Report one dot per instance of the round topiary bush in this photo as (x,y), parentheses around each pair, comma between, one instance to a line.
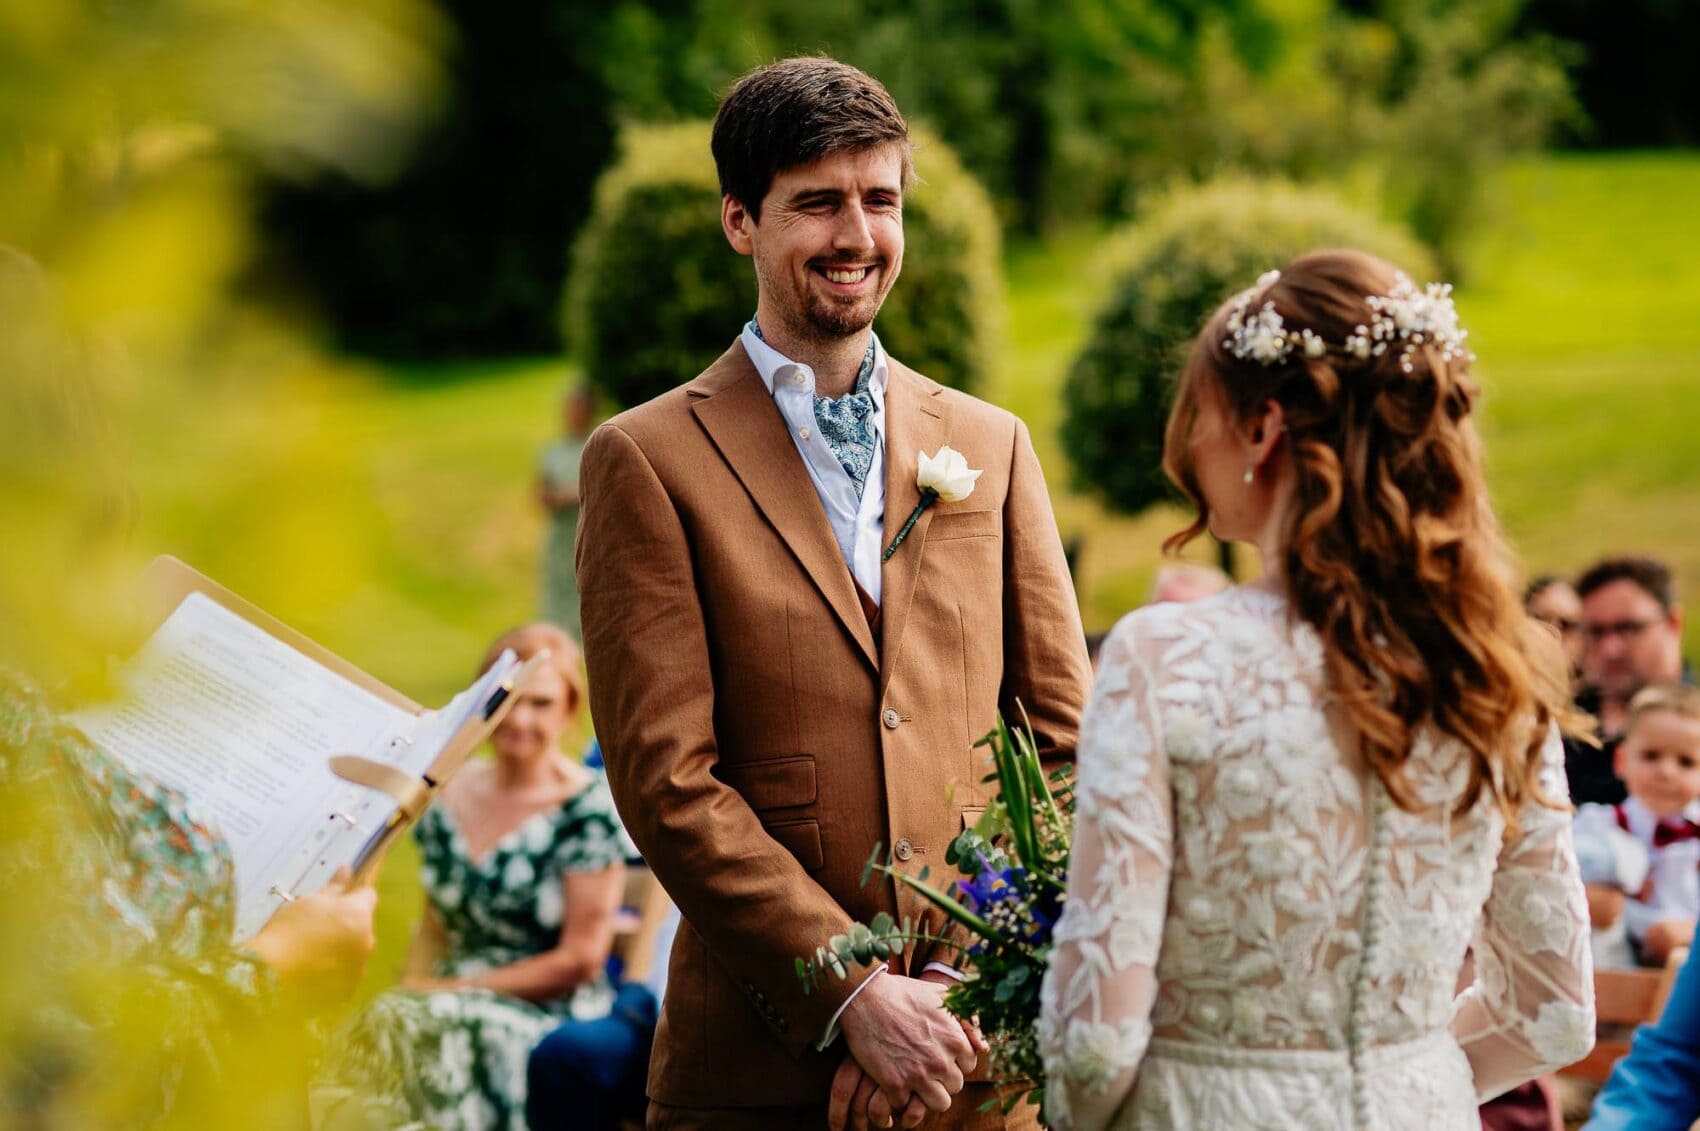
(655,294)
(1169,271)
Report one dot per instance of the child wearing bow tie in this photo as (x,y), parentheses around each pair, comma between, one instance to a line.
(1641,858)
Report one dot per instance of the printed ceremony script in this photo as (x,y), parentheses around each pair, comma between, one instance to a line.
(300,767)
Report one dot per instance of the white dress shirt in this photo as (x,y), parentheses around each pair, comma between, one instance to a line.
(857,523)
(1673,868)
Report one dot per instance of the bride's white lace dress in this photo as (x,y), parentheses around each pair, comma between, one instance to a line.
(1257,937)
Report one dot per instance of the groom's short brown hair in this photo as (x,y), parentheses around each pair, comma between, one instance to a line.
(797,111)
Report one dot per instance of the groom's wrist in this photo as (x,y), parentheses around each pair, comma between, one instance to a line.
(831,1032)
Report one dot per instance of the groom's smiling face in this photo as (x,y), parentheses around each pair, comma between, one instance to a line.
(829,243)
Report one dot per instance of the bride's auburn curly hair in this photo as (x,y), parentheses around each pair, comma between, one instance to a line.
(1391,551)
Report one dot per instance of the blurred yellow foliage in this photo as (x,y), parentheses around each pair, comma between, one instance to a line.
(130,139)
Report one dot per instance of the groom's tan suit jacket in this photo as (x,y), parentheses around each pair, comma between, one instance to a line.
(763,732)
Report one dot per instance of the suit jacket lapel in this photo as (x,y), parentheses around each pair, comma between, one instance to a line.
(738,412)
(916,419)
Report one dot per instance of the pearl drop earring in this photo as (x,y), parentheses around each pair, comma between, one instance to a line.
(1249,476)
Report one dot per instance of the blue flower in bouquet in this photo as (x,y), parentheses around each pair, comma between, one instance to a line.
(1046,910)
(1009,900)
(987,887)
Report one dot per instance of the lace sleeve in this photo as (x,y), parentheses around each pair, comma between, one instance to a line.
(1096,1001)
(1531,1008)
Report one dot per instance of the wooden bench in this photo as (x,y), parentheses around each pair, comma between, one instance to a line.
(643,912)
(1624,998)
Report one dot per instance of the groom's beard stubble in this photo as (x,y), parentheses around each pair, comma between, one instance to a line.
(825,319)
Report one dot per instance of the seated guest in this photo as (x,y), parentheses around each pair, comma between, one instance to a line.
(592,1073)
(1554,602)
(1657,1086)
(1631,637)
(523,867)
(1645,850)
(133,1007)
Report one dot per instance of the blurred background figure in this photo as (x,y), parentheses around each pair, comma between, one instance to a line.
(523,869)
(1183,582)
(1631,637)
(557,490)
(1641,856)
(1553,601)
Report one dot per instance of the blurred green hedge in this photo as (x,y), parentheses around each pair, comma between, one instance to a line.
(1192,249)
(655,293)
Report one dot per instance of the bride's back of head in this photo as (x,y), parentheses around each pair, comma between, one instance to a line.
(1389,547)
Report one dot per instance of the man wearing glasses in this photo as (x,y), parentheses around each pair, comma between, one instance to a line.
(1631,637)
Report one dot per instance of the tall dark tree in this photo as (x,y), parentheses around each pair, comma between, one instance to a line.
(465,251)
(1634,71)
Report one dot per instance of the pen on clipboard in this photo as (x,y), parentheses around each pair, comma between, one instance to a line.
(462,735)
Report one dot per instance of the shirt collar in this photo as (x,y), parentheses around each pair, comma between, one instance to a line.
(772,364)
(1642,822)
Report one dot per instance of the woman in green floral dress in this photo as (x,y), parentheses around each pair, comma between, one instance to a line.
(523,866)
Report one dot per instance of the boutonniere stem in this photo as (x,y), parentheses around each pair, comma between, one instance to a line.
(943,475)
(928,498)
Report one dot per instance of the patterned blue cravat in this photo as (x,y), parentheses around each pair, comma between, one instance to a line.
(847,422)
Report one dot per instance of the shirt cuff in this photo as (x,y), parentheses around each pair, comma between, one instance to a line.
(950,972)
(831,1033)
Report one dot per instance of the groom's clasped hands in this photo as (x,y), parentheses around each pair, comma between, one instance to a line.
(907,1054)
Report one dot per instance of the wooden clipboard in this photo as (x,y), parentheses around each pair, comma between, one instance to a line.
(168,581)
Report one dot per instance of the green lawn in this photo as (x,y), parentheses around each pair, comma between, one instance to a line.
(1583,308)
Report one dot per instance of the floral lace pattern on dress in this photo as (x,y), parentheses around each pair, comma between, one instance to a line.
(1255,936)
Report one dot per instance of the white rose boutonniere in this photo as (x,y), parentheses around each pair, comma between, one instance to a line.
(943,475)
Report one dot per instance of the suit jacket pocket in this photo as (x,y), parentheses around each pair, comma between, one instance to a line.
(952,524)
(772,783)
(801,839)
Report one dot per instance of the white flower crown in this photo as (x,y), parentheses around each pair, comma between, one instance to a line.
(1405,315)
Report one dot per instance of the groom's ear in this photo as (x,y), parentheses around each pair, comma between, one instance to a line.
(736,222)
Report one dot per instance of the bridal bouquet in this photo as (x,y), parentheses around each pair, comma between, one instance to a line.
(1013,866)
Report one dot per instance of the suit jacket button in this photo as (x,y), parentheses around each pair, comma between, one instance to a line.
(891,718)
(903,849)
